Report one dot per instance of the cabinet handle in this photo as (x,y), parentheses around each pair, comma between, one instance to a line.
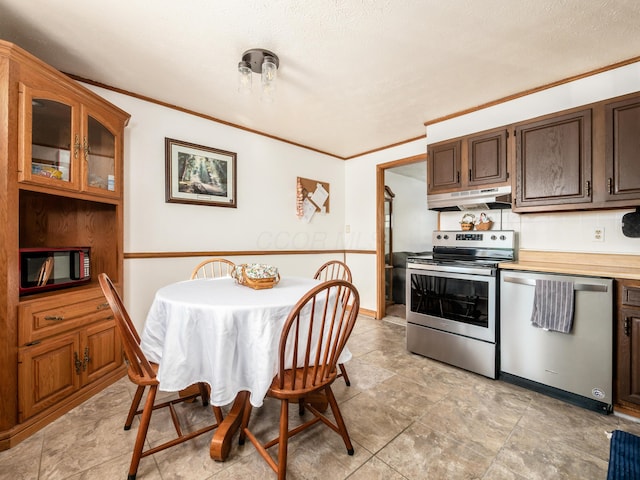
(77,363)
(588,186)
(610,185)
(458,177)
(86,149)
(469,174)
(76,146)
(102,306)
(55,318)
(86,359)
(627,326)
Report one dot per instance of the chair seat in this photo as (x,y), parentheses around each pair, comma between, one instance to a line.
(303,387)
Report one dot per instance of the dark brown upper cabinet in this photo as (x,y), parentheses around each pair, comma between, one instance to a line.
(553,160)
(468,162)
(443,166)
(487,155)
(622,150)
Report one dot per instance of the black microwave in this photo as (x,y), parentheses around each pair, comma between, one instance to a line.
(43,269)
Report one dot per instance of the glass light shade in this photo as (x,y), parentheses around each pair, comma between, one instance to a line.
(269,76)
(244,78)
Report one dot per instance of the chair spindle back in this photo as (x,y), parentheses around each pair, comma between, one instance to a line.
(333,270)
(315,334)
(213,268)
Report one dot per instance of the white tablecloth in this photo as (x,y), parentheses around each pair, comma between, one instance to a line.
(221,333)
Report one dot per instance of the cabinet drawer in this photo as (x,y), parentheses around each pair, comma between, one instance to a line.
(42,318)
(631,296)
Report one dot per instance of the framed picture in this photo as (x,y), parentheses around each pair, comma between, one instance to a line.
(199,175)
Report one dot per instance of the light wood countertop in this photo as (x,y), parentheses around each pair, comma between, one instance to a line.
(594,264)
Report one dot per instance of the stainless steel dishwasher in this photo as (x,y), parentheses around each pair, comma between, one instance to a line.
(575,366)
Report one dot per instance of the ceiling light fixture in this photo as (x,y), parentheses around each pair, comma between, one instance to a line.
(258,60)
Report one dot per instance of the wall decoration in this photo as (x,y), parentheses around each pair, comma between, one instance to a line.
(199,175)
(311,196)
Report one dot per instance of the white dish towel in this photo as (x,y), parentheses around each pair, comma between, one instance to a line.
(553,305)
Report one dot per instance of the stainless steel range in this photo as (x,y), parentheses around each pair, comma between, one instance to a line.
(452,298)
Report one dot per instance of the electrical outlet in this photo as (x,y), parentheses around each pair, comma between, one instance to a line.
(347,228)
(598,234)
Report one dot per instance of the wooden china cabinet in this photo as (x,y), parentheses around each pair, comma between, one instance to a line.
(61,174)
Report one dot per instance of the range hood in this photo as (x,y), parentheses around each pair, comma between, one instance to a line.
(481,199)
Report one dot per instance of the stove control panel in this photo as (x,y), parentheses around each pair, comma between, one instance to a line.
(469,236)
(490,239)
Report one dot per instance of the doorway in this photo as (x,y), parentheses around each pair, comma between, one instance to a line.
(409,206)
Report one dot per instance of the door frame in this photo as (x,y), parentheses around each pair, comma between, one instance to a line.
(380,169)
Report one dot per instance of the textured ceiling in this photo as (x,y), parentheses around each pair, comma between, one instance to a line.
(354,75)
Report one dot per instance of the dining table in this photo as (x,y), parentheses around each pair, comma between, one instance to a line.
(224,334)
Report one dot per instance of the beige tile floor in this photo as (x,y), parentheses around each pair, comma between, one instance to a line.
(409,418)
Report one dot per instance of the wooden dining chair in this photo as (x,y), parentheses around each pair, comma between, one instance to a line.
(213,268)
(313,337)
(335,270)
(143,373)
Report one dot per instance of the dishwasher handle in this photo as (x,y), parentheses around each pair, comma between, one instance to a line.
(582,287)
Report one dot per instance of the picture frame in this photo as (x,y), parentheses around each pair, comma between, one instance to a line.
(199,175)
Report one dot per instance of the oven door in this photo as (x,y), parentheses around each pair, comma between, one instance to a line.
(459,303)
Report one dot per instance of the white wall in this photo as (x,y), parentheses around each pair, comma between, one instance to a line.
(360,213)
(265,217)
(412,223)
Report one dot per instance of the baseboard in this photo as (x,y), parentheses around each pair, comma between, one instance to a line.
(553,392)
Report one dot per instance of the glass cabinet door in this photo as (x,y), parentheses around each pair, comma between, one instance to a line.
(100,156)
(50,145)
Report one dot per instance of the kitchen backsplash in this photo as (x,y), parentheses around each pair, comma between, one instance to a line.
(590,231)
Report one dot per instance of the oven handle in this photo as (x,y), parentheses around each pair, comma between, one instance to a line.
(582,287)
(477,271)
